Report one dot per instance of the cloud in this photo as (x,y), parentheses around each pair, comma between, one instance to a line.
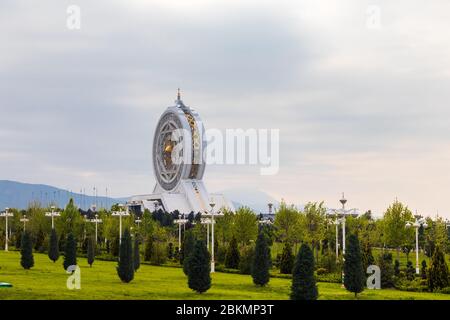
(359,110)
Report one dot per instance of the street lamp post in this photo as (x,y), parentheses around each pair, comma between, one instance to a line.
(96,221)
(417,224)
(52,214)
(180,222)
(6,214)
(340,218)
(213,263)
(121,213)
(24,220)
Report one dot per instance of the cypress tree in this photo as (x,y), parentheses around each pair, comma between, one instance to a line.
(125,268)
(354,277)
(438,272)
(367,256)
(148,250)
(199,276)
(303,280)
(188,247)
(397,268)
(90,251)
(53,247)
(410,271)
(170,253)
(26,251)
(70,253)
(287,259)
(232,256)
(137,255)
(261,261)
(387,270)
(424,271)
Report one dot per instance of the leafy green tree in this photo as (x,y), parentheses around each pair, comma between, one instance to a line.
(70,253)
(136,255)
(188,247)
(395,233)
(90,251)
(245,227)
(438,275)
(354,275)
(199,277)
(287,224)
(224,226)
(261,261)
(232,256)
(26,251)
(313,224)
(70,221)
(53,251)
(303,281)
(170,252)
(125,268)
(287,259)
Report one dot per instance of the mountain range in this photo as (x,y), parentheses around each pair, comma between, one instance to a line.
(19,195)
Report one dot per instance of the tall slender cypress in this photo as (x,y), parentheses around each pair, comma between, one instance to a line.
(70,253)
(26,251)
(90,251)
(287,259)
(53,248)
(232,256)
(354,277)
(188,247)
(261,261)
(136,255)
(303,281)
(199,275)
(125,268)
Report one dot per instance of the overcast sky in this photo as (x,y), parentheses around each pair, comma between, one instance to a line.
(362,103)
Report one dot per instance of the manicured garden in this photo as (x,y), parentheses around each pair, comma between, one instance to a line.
(47,280)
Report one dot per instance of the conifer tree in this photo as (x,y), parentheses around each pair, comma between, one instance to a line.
(438,275)
(303,280)
(354,276)
(125,268)
(137,255)
(424,271)
(199,277)
(90,251)
(148,250)
(188,247)
(387,270)
(70,252)
(53,247)
(26,251)
(397,268)
(287,259)
(410,271)
(232,256)
(261,261)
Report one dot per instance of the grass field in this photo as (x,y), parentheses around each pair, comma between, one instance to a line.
(47,280)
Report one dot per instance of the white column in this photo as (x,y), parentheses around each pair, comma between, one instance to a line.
(120,228)
(417,250)
(212,242)
(6,239)
(337,240)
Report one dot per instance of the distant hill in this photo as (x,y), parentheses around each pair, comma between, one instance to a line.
(19,195)
(255,199)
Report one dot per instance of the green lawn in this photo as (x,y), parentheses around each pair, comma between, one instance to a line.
(47,280)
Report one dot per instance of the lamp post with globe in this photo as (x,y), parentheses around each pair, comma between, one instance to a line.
(420,222)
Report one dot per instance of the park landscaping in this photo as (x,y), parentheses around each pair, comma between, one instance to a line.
(47,280)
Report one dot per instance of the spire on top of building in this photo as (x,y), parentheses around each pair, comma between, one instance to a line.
(179,95)
(179,102)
